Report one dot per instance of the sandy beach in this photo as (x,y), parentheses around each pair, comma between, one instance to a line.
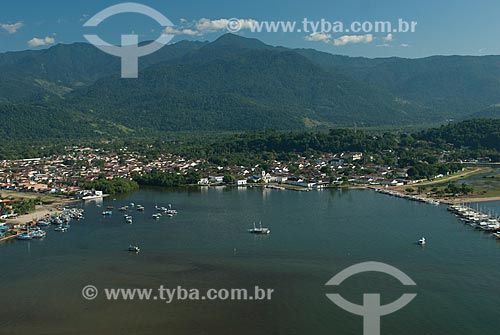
(40,210)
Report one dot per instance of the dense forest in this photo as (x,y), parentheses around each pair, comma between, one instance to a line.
(157,178)
(111,186)
(456,141)
(234,84)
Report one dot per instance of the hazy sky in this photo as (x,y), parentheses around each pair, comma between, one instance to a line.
(444,26)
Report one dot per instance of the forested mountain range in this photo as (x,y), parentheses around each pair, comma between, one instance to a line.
(235,83)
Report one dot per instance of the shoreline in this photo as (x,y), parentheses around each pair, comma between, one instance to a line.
(468,200)
(40,210)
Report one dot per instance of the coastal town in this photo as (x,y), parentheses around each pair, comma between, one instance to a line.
(64,178)
(64,174)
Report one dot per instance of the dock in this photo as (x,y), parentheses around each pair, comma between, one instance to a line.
(477,219)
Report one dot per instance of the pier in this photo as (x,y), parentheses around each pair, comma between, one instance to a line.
(408,197)
(477,218)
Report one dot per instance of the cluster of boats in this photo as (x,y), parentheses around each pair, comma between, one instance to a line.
(162,211)
(60,221)
(408,197)
(477,219)
(109,210)
(37,233)
(168,211)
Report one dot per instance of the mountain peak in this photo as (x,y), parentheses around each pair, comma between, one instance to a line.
(236,41)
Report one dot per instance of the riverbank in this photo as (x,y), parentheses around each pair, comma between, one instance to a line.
(50,204)
(461,200)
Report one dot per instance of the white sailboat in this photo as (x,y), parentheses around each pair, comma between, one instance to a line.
(259,230)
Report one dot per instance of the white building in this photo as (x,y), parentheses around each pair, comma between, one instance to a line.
(240,182)
(216,179)
(204,181)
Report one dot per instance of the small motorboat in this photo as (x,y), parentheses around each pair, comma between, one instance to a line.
(134,248)
(107,213)
(156,216)
(422,241)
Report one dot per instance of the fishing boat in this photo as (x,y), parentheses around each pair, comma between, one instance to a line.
(259,230)
(61,229)
(422,241)
(128,219)
(24,237)
(134,248)
(93,195)
(43,224)
(168,210)
(124,208)
(140,208)
(161,209)
(156,216)
(39,234)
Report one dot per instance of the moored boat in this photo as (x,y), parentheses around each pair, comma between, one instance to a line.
(61,229)
(259,230)
(134,248)
(39,234)
(24,236)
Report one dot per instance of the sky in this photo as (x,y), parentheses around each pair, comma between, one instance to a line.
(443,27)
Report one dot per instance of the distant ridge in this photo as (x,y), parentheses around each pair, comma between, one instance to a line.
(237,83)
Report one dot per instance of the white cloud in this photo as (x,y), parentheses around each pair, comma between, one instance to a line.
(12,28)
(404,45)
(384,45)
(181,31)
(389,38)
(206,26)
(37,42)
(318,37)
(353,39)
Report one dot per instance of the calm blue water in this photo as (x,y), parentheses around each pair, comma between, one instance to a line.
(314,236)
